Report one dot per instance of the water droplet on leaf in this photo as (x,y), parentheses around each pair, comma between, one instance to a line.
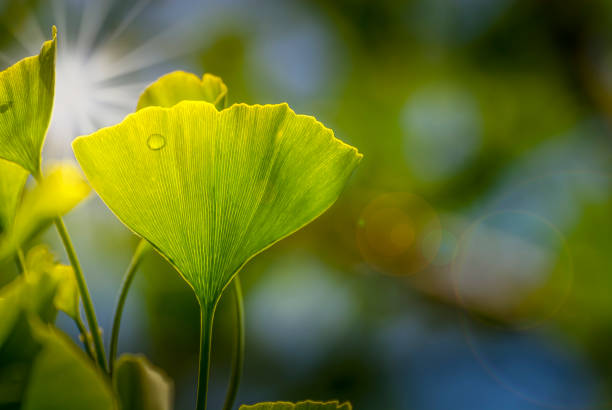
(156,142)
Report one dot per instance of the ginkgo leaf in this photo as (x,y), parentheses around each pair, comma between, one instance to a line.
(303,405)
(140,385)
(62,377)
(210,189)
(12,180)
(56,194)
(26,102)
(179,86)
(40,261)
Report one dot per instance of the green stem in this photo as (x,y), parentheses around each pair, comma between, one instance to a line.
(83,331)
(128,277)
(232,391)
(20,261)
(87,303)
(207,314)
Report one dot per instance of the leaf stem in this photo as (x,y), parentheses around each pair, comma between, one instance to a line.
(20,260)
(128,277)
(207,314)
(238,363)
(87,302)
(81,326)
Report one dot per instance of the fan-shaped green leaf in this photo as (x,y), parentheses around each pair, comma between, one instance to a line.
(56,194)
(12,180)
(63,378)
(26,102)
(211,189)
(140,385)
(303,405)
(179,86)
(40,261)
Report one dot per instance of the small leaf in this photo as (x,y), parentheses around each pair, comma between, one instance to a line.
(26,102)
(179,86)
(32,295)
(210,189)
(60,191)
(303,405)
(140,385)
(12,180)
(63,378)
(40,261)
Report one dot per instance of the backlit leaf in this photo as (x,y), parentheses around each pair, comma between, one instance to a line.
(26,102)
(303,405)
(179,86)
(56,194)
(12,180)
(40,261)
(211,189)
(140,385)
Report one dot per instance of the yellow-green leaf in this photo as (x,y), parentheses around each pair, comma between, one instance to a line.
(26,102)
(210,189)
(303,405)
(140,385)
(40,261)
(63,378)
(12,180)
(179,86)
(56,194)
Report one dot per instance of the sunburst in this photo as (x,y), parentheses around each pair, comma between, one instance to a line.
(98,78)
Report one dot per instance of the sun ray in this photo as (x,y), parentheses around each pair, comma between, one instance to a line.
(170,43)
(58,8)
(5,59)
(34,32)
(92,20)
(129,18)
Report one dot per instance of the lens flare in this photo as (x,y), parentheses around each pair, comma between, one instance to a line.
(398,233)
(514,266)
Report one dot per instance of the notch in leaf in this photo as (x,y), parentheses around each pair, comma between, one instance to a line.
(178,86)
(210,189)
(26,102)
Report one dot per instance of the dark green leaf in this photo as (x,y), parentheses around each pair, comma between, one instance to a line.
(140,385)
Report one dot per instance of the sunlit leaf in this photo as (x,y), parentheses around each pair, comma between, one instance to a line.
(179,86)
(40,261)
(58,192)
(12,180)
(211,189)
(63,378)
(303,405)
(26,102)
(140,385)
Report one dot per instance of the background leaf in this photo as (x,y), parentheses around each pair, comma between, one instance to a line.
(303,405)
(63,378)
(211,189)
(56,194)
(12,180)
(24,297)
(26,103)
(140,385)
(40,261)
(179,86)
